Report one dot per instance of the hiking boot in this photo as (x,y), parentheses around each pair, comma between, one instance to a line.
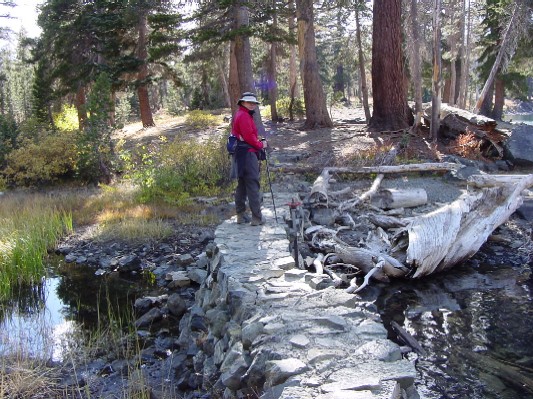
(242,218)
(257,222)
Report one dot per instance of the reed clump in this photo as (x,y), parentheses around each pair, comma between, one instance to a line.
(29,227)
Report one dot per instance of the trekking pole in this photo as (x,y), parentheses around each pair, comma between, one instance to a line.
(270,185)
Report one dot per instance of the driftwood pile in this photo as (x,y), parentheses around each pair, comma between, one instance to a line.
(398,245)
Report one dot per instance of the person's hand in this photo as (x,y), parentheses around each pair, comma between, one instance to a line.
(265,144)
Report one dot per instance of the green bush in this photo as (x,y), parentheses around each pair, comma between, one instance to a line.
(200,119)
(282,106)
(179,170)
(67,119)
(9,132)
(47,158)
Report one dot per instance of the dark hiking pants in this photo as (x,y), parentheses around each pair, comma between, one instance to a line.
(248,185)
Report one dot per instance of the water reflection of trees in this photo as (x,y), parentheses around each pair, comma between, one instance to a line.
(89,298)
(468,323)
(25,300)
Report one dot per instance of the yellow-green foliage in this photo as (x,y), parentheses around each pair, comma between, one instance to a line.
(28,228)
(179,170)
(193,167)
(200,119)
(282,107)
(67,119)
(46,158)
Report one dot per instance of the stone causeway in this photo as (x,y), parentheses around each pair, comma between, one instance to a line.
(274,332)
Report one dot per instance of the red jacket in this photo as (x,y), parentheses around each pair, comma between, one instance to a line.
(244,129)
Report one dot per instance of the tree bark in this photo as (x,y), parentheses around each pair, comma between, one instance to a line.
(362,73)
(142,77)
(391,111)
(294,92)
(316,111)
(437,73)
(464,56)
(272,73)
(243,60)
(499,99)
(80,106)
(415,62)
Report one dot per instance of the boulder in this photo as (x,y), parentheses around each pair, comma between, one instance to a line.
(518,148)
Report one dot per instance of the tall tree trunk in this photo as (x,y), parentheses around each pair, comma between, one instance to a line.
(243,60)
(499,99)
(505,48)
(453,81)
(272,72)
(391,111)
(486,106)
(221,68)
(294,91)
(142,89)
(339,84)
(234,86)
(415,62)
(316,111)
(437,73)
(272,83)
(463,55)
(364,86)
(80,105)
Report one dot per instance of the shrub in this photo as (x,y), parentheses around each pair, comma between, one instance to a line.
(67,119)
(174,172)
(8,136)
(95,148)
(200,119)
(282,106)
(49,157)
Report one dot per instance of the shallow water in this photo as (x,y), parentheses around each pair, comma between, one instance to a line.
(475,323)
(520,118)
(44,321)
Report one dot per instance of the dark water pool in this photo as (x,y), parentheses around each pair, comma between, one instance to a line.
(43,321)
(476,324)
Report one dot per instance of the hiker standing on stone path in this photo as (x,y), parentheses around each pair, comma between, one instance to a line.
(246,161)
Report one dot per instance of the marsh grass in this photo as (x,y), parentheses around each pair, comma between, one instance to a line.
(27,230)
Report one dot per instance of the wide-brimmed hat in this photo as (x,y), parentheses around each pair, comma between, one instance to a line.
(248,97)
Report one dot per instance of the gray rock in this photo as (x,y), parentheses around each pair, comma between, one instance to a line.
(129,263)
(231,378)
(197,275)
(278,371)
(176,305)
(300,341)
(250,332)
(150,317)
(380,349)
(217,321)
(184,260)
(518,148)
(235,353)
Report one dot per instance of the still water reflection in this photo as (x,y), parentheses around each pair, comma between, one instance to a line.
(476,325)
(45,320)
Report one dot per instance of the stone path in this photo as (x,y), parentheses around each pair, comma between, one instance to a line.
(272,332)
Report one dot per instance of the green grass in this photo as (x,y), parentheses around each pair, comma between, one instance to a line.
(27,231)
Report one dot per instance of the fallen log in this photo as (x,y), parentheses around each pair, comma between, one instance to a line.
(453,233)
(391,198)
